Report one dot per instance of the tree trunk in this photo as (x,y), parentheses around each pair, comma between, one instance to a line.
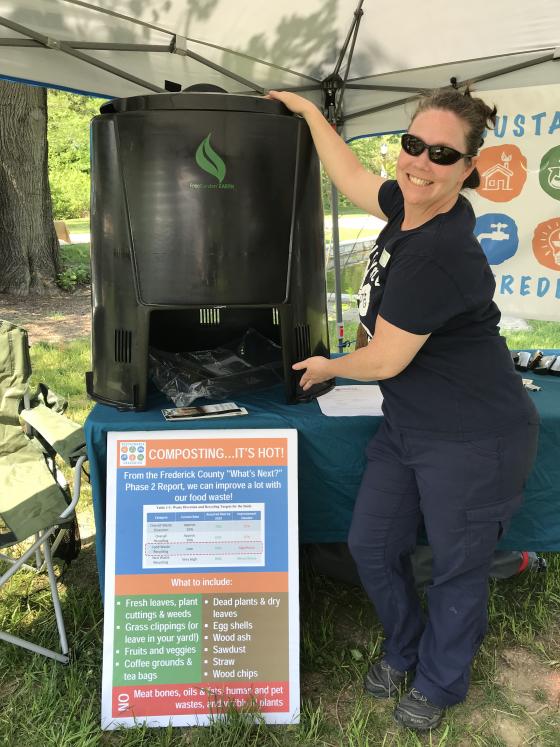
(29,258)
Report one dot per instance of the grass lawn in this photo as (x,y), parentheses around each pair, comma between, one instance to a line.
(82,225)
(77,225)
(75,256)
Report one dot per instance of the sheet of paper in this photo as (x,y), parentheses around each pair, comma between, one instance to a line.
(352,400)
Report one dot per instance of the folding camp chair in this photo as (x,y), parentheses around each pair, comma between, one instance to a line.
(35,501)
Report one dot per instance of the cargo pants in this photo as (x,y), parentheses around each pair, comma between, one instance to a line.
(466,493)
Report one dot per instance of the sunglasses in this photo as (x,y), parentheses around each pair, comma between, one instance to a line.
(440,154)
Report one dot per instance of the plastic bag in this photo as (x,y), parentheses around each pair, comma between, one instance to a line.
(252,362)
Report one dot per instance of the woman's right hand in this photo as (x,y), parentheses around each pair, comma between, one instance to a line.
(296,104)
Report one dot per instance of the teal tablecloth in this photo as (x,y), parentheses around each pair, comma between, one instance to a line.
(331,461)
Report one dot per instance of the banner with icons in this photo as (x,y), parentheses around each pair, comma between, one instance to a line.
(518,202)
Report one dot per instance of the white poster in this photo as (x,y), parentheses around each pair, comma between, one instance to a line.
(518,202)
(201,585)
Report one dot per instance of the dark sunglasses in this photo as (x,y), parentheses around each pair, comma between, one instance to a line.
(440,154)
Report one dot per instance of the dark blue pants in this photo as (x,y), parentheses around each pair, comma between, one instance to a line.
(466,493)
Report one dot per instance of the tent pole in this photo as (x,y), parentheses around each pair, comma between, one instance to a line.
(333,111)
(357,18)
(336,263)
(358,13)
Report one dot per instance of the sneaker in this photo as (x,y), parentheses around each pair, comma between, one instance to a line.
(415,711)
(382,681)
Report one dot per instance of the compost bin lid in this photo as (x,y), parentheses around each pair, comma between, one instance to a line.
(203,101)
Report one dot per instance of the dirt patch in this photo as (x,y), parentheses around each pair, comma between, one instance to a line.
(528,680)
(56,316)
(511,730)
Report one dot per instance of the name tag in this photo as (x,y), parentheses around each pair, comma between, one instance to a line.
(384,258)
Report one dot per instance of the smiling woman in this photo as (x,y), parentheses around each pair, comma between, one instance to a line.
(457,441)
(429,181)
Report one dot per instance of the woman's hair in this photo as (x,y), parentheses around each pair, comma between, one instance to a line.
(474,112)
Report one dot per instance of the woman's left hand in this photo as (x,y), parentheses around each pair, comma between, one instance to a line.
(317,370)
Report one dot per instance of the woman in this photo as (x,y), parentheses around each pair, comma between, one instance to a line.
(459,433)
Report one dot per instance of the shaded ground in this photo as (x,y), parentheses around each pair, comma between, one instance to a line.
(56,316)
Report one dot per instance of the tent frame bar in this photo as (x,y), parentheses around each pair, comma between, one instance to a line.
(131,19)
(112,46)
(61,46)
(551,57)
(381,107)
(366,87)
(310,87)
(358,13)
(510,69)
(224,71)
(178,45)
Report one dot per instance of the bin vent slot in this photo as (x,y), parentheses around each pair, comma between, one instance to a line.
(209,316)
(275,316)
(303,344)
(120,250)
(123,346)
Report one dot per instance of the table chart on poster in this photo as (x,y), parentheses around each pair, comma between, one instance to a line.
(187,536)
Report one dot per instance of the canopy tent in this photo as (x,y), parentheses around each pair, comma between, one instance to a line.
(363,62)
(117,48)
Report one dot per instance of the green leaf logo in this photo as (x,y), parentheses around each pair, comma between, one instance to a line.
(209,160)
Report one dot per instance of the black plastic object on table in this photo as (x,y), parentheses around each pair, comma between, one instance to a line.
(206,221)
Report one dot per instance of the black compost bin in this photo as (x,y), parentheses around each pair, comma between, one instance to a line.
(206,220)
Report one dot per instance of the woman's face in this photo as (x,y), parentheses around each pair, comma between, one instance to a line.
(425,184)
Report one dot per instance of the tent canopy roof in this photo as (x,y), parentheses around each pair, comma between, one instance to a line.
(117,48)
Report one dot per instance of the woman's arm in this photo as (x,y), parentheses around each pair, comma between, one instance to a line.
(389,352)
(359,185)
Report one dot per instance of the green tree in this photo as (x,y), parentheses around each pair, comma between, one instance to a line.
(68,137)
(369,152)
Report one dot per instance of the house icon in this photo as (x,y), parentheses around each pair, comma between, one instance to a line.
(498,176)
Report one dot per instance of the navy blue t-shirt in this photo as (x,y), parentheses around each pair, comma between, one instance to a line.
(435,279)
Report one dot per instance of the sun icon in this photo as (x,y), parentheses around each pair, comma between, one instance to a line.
(546,243)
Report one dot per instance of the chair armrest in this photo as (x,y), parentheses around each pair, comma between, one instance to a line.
(62,434)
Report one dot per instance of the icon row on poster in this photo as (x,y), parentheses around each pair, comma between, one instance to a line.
(503,172)
(498,236)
